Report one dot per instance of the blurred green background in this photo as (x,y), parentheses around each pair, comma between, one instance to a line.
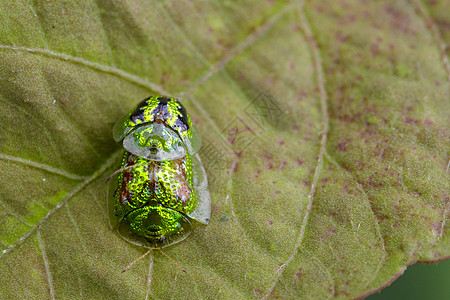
(420,281)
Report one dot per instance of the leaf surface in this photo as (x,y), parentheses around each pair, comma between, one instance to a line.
(325,139)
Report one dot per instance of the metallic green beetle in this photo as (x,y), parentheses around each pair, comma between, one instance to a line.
(161,183)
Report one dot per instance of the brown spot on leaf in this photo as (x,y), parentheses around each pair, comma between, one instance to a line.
(270,80)
(329,232)
(409,120)
(428,122)
(266,156)
(345,187)
(359,165)
(302,95)
(258,292)
(341,37)
(342,145)
(399,20)
(375,49)
(379,215)
(282,165)
(437,227)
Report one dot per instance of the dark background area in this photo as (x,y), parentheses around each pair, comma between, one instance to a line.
(420,281)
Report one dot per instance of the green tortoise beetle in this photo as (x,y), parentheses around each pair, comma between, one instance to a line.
(161,185)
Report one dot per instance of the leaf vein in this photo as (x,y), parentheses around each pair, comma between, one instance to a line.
(77,189)
(432,27)
(105,38)
(184,94)
(39,23)
(75,226)
(238,49)
(377,228)
(32,117)
(149,277)
(323,141)
(47,266)
(228,198)
(220,65)
(6,209)
(41,167)
(136,80)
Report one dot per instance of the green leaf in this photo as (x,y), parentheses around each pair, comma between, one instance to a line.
(325,138)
